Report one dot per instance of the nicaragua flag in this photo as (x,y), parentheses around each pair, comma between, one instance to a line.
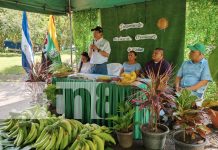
(26,46)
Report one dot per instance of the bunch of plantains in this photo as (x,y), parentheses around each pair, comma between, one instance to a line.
(54,133)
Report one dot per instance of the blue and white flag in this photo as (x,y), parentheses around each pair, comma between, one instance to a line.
(26,46)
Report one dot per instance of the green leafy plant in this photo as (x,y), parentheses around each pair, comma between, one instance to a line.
(185,100)
(209,103)
(60,70)
(190,117)
(124,121)
(51,92)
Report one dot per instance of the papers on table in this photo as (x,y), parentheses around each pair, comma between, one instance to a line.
(87,76)
(146,80)
(139,81)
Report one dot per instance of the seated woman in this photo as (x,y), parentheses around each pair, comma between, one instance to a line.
(131,65)
(85,66)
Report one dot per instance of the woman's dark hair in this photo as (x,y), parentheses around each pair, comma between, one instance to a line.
(85,54)
(133,52)
(160,49)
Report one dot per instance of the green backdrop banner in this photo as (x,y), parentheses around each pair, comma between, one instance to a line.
(171,39)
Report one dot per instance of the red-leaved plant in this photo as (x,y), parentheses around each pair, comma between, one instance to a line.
(38,73)
(157,93)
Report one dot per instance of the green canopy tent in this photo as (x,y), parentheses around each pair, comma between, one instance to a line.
(63,7)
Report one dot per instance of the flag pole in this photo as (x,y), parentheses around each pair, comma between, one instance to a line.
(71,35)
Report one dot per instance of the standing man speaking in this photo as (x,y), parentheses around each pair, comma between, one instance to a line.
(99,52)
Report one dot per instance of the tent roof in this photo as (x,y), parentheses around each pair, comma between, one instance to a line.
(60,7)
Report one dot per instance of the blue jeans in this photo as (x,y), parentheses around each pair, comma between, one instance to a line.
(99,69)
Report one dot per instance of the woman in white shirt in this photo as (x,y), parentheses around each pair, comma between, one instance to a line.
(85,66)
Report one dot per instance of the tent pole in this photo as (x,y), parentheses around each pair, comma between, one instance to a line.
(71,35)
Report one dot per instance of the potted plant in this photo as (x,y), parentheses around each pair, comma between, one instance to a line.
(190,118)
(153,97)
(37,77)
(123,124)
(212,105)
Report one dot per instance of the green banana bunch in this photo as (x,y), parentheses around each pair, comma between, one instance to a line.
(82,143)
(64,141)
(92,137)
(43,134)
(7,126)
(75,130)
(65,123)
(68,131)
(45,138)
(65,131)
(104,133)
(100,142)
(60,138)
(92,145)
(55,133)
(32,135)
(44,141)
(22,133)
(52,137)
(42,124)
(5,122)
(12,126)
(13,131)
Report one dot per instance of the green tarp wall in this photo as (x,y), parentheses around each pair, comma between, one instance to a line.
(171,39)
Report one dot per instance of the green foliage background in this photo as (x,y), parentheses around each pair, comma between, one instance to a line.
(83,22)
(11,26)
(202,26)
(201,23)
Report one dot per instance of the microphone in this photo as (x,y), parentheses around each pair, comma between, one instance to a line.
(93,42)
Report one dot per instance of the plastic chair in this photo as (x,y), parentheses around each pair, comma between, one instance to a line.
(201,99)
